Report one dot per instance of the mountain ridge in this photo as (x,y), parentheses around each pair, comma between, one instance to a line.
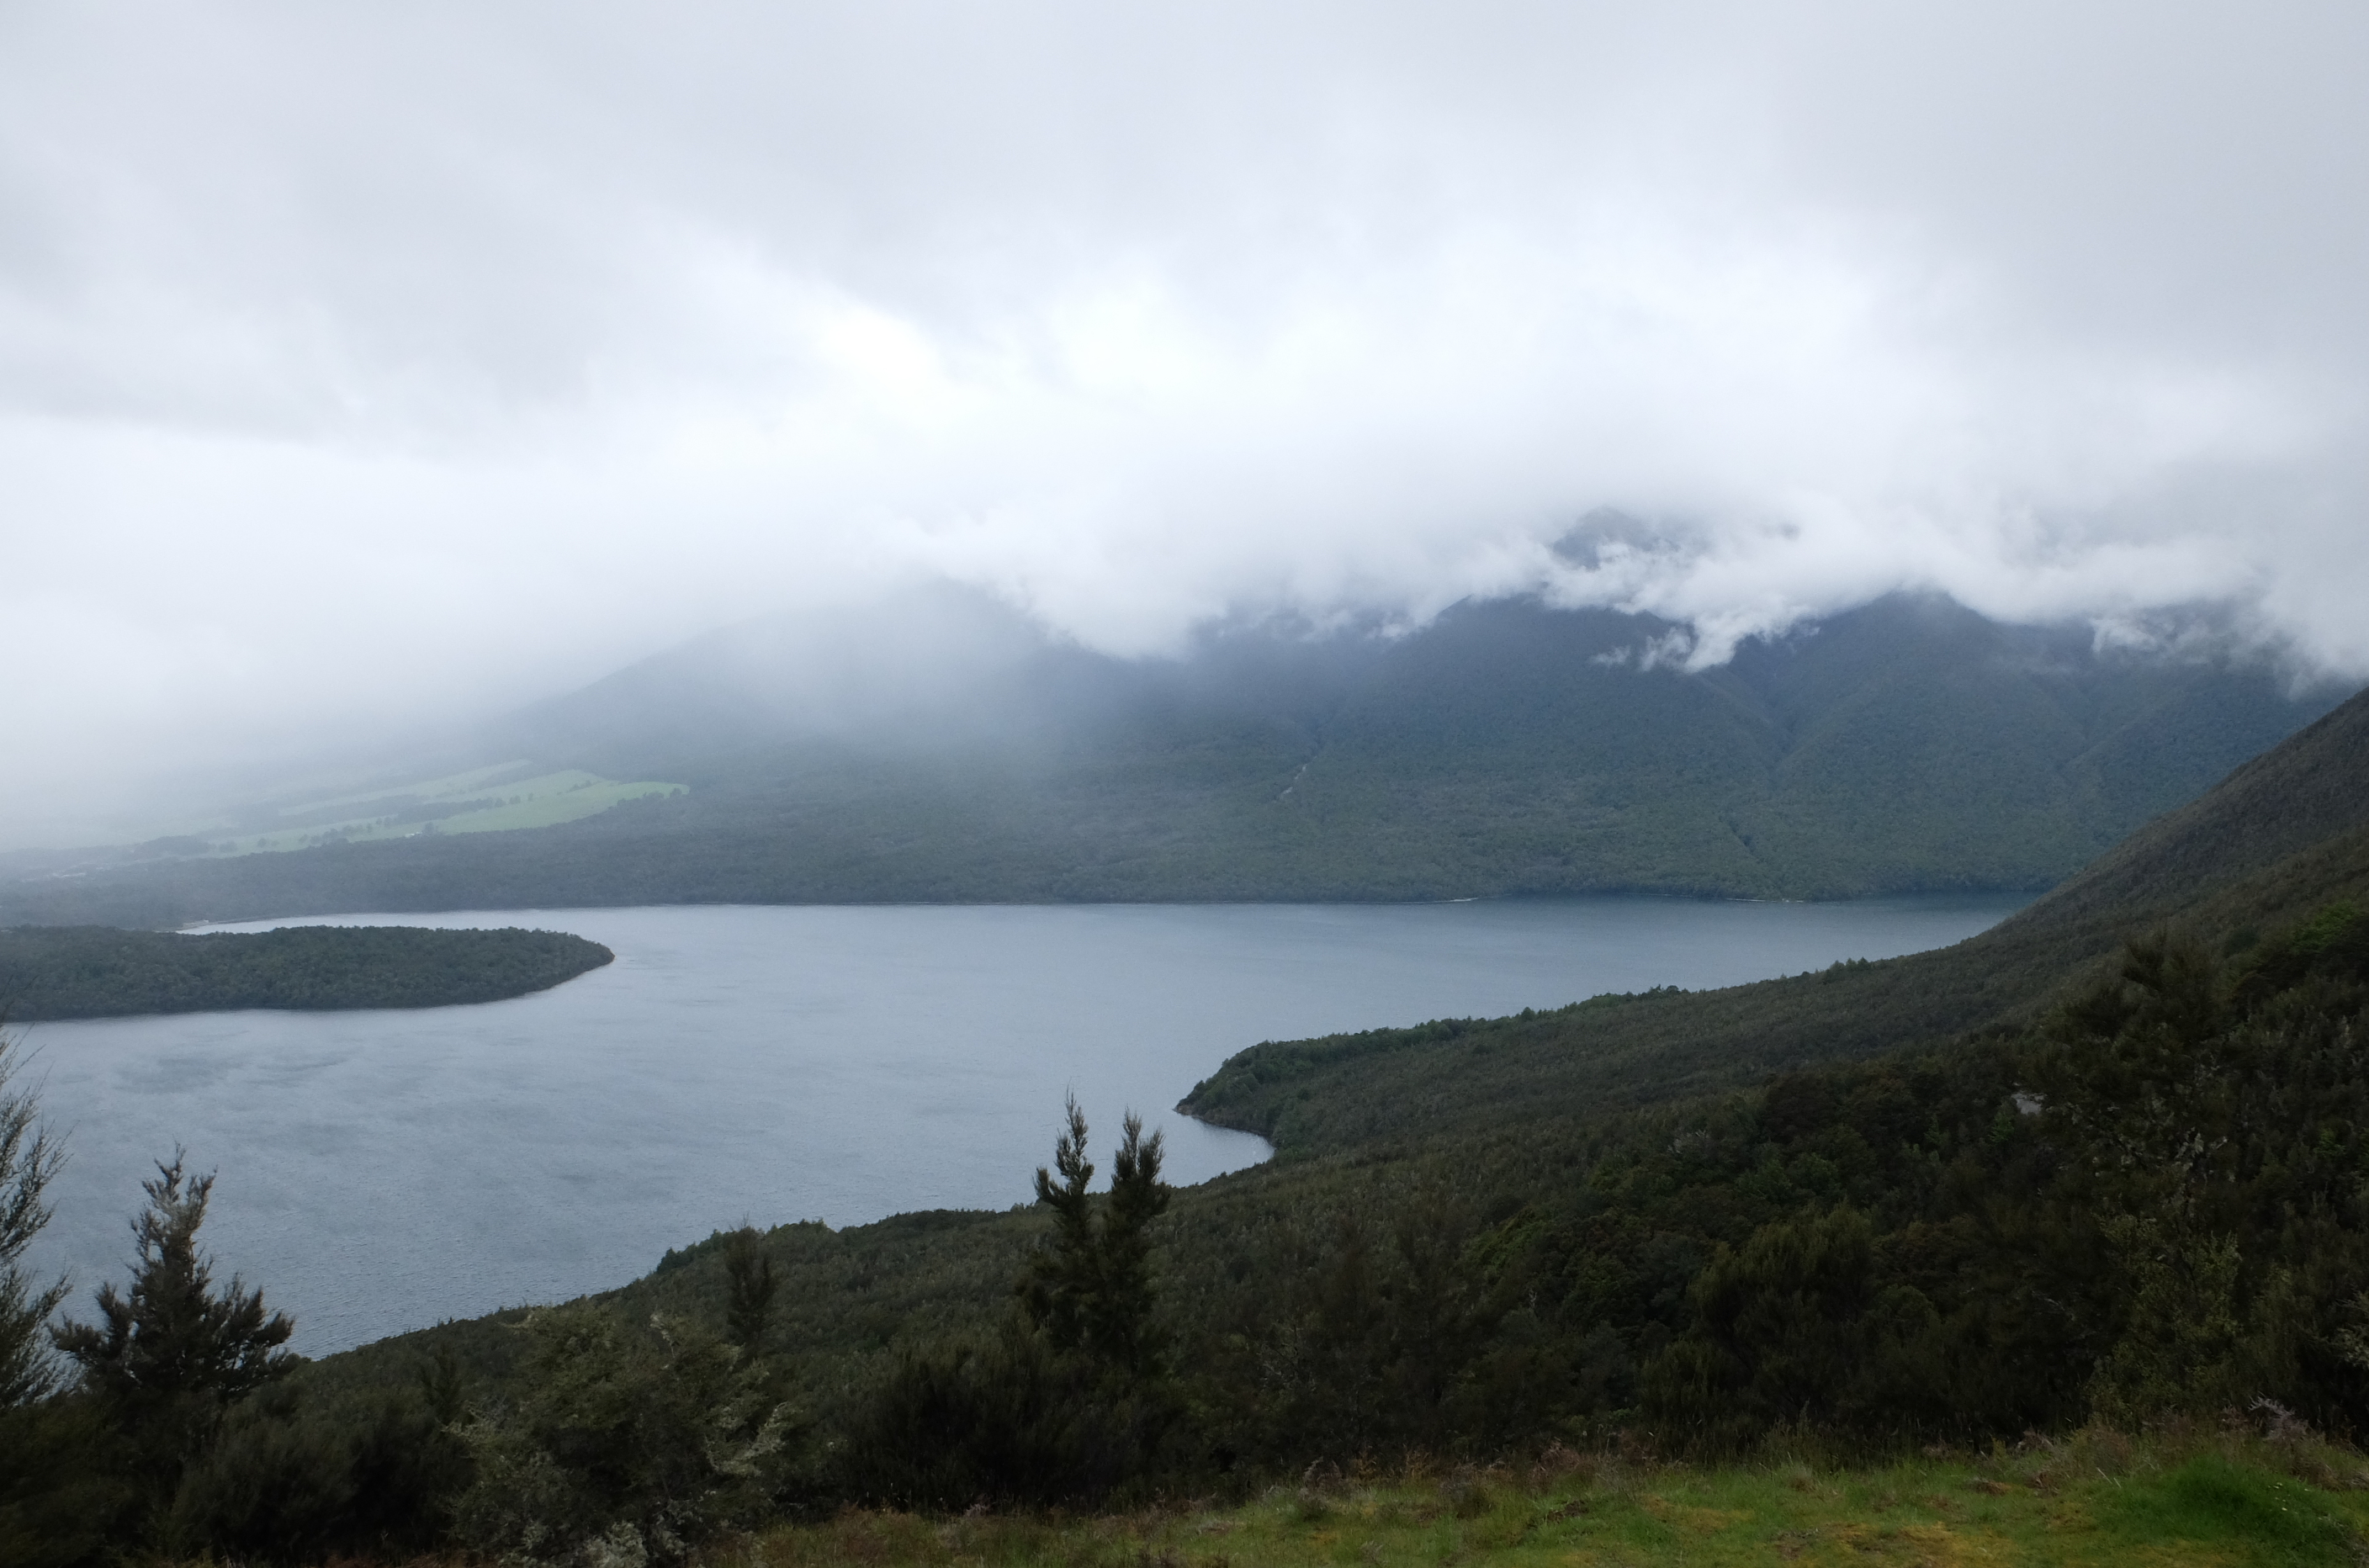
(1507,749)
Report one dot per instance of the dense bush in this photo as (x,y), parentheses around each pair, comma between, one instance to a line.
(184,1432)
(633,1442)
(290,1480)
(62,1497)
(2151,1203)
(98,971)
(1071,1398)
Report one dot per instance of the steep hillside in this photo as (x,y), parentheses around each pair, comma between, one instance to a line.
(2297,808)
(2284,835)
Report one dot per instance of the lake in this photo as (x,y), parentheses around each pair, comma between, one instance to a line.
(380,1171)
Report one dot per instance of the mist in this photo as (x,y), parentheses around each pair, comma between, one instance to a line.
(371,369)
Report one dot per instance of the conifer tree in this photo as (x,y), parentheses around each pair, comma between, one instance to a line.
(56,1505)
(1092,1289)
(171,1356)
(29,1159)
(750,1288)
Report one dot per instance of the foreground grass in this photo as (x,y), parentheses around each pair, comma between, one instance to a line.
(2095,1499)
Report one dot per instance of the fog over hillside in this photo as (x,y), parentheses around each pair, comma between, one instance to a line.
(943,747)
(367,375)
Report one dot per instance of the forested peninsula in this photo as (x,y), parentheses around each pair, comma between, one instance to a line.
(93,971)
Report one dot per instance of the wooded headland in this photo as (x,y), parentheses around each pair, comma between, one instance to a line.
(103,972)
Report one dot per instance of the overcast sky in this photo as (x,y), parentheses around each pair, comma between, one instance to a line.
(361,365)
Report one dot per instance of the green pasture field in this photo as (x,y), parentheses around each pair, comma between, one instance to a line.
(543,801)
(451,786)
(2097,1498)
(586,795)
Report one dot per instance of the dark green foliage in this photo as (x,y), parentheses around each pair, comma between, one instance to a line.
(293,1481)
(1780,1325)
(65,1501)
(2335,943)
(749,1299)
(645,1439)
(30,1158)
(1089,1290)
(98,971)
(1003,1419)
(58,1500)
(167,1360)
(2150,1203)
(1066,1400)
(1355,1333)
(2220,1125)
(189,1434)
(965,1422)
(2202,1151)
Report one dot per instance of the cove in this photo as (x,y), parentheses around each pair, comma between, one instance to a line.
(382,1171)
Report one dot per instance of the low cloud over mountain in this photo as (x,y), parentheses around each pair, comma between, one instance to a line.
(367,369)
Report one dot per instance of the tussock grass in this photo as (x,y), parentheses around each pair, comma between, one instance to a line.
(2180,1497)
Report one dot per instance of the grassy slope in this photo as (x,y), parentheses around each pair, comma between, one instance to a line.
(2229,1502)
(537,803)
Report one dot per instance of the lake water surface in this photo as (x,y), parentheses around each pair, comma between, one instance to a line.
(380,1171)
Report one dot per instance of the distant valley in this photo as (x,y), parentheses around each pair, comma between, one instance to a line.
(1507,749)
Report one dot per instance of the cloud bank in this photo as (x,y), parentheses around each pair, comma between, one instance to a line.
(369,365)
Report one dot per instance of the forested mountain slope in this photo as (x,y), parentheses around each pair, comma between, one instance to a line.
(2286,821)
(2284,835)
(1507,749)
